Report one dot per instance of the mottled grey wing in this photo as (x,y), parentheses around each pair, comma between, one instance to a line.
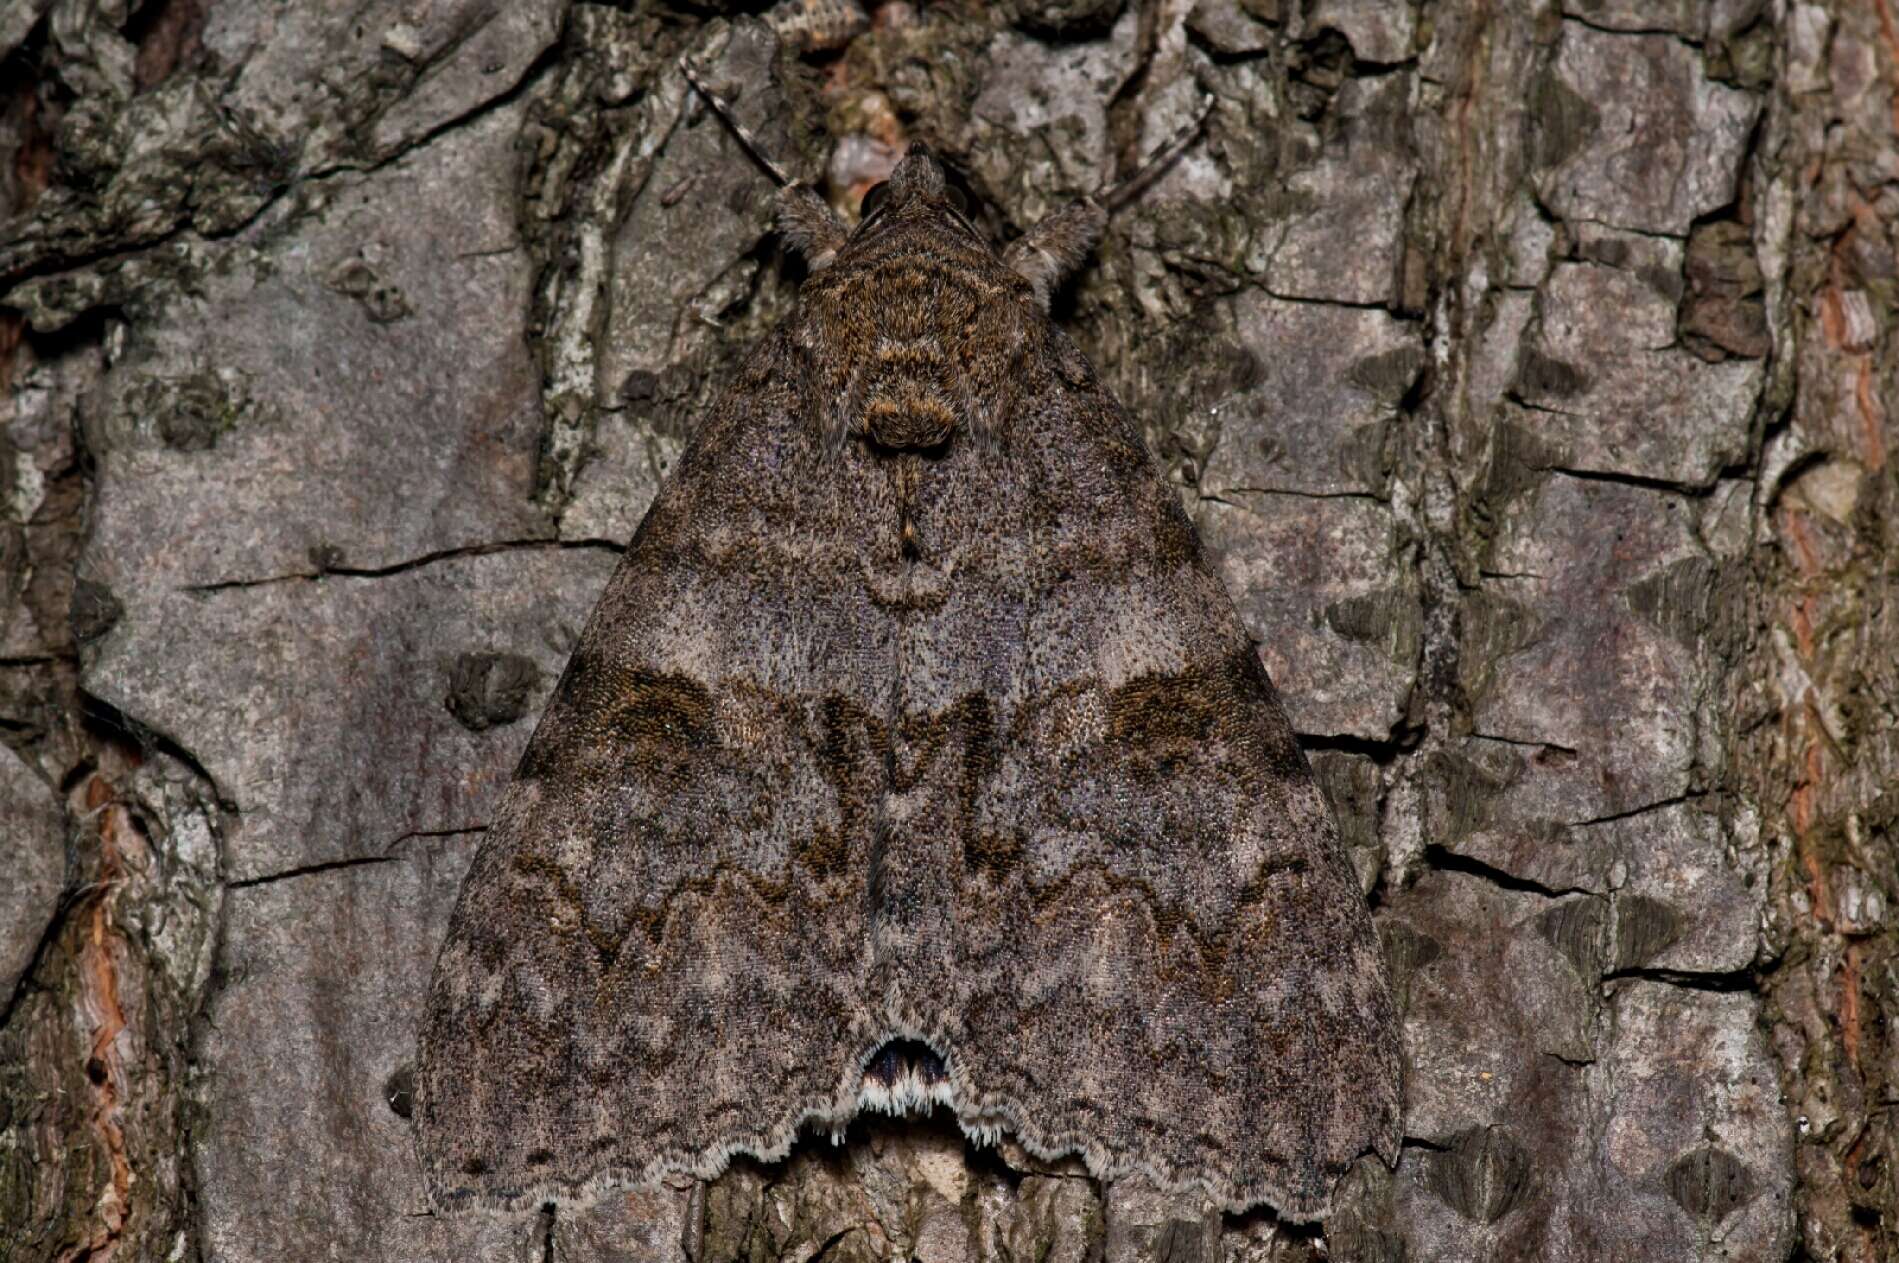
(1153,946)
(678,865)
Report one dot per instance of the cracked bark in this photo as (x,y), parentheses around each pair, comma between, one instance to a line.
(1527,367)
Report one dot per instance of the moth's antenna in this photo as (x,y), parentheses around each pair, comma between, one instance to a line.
(1114,196)
(745,138)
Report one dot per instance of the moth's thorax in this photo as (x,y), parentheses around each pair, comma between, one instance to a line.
(913,327)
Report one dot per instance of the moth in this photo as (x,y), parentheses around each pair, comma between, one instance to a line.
(913,758)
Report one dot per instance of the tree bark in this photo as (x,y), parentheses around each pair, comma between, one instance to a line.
(1527,367)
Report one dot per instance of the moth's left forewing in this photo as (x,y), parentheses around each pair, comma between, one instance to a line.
(680,862)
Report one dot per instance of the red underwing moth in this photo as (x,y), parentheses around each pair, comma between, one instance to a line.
(913,758)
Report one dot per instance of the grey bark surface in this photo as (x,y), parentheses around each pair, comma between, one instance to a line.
(1527,368)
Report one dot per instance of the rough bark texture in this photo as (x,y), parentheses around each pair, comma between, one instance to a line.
(1529,367)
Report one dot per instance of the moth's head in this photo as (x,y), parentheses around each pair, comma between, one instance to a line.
(920,207)
(918,190)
